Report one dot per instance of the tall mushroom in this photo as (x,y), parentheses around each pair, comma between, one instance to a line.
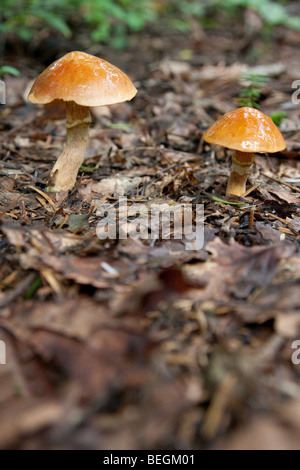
(247,131)
(81,80)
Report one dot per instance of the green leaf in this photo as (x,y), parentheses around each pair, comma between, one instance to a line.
(55,21)
(293,22)
(217,199)
(119,125)
(33,288)
(76,222)
(278,117)
(9,70)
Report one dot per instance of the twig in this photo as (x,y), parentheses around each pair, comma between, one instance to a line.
(10,206)
(251,218)
(294,188)
(21,287)
(285,222)
(246,193)
(218,405)
(44,195)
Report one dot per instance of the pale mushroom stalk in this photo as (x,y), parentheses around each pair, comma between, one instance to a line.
(241,164)
(64,173)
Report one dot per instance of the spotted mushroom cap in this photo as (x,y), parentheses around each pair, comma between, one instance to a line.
(247,130)
(83,78)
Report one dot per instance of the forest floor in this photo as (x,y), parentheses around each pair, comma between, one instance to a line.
(152,343)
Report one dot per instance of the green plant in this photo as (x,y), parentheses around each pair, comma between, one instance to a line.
(272,12)
(112,20)
(9,70)
(25,17)
(108,20)
(278,117)
(252,89)
(178,15)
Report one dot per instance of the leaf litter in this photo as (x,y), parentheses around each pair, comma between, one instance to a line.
(143,343)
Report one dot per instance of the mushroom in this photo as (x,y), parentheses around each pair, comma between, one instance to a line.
(81,80)
(245,130)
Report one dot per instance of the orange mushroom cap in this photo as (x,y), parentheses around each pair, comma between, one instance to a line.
(83,78)
(246,130)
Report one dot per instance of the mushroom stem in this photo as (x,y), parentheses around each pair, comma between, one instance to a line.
(64,173)
(241,164)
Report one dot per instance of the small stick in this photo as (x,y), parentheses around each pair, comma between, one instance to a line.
(285,222)
(17,291)
(44,195)
(10,206)
(218,405)
(294,188)
(251,218)
(246,193)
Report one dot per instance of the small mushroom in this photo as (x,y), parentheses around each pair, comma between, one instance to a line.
(245,130)
(81,80)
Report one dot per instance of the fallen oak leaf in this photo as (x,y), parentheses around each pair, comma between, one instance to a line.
(248,267)
(74,222)
(28,419)
(107,359)
(88,270)
(274,300)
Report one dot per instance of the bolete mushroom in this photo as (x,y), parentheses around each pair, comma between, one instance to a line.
(81,80)
(247,131)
